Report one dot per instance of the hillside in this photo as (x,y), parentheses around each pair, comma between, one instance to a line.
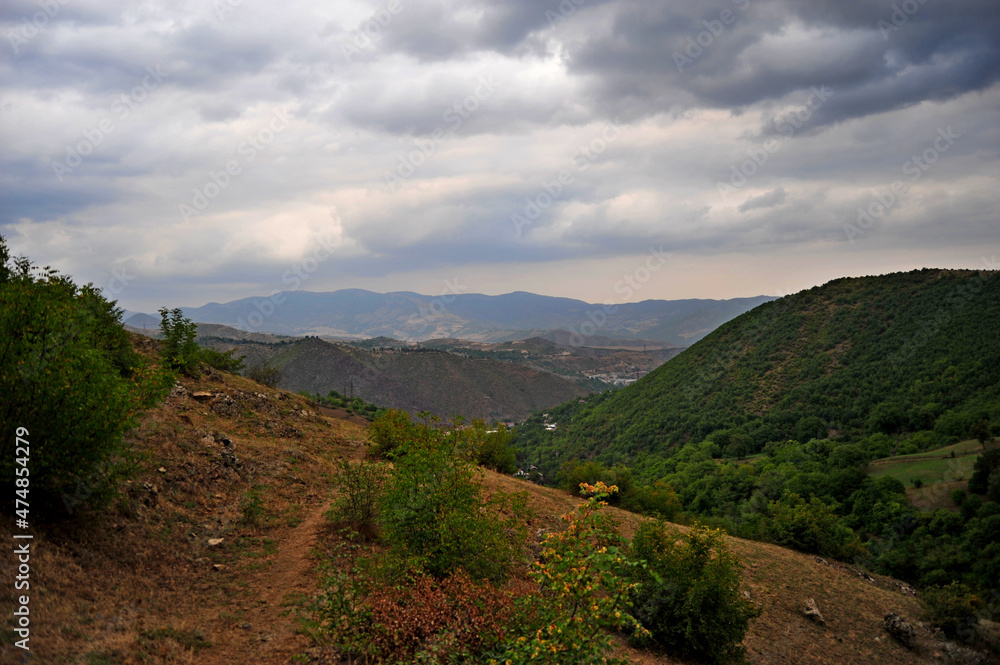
(897,354)
(355,313)
(442,383)
(216,545)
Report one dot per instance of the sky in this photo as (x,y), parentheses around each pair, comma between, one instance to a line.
(179,153)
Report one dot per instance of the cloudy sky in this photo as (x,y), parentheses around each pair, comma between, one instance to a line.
(177,153)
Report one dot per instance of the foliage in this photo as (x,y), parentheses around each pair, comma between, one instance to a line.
(252,507)
(434,508)
(264,374)
(391,430)
(986,464)
(493,449)
(811,526)
(584,580)
(688,593)
(895,354)
(225,361)
(180,350)
(71,381)
(359,492)
(952,607)
(425,620)
(356,405)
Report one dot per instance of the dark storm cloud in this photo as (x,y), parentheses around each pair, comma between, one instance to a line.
(767,49)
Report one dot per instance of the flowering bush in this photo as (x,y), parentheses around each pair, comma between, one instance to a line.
(584,578)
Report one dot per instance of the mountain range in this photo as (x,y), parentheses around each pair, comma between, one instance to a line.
(356,313)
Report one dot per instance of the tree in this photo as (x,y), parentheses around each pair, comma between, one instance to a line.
(179,349)
(265,375)
(985,465)
(981,431)
(72,385)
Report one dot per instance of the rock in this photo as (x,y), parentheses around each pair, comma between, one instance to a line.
(821,560)
(960,655)
(212,542)
(202,395)
(746,594)
(896,626)
(218,567)
(812,612)
(162,470)
(989,633)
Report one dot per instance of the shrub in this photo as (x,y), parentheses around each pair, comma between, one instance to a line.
(584,579)
(688,593)
(221,360)
(426,620)
(72,385)
(953,608)
(360,488)
(434,510)
(389,431)
(180,350)
(252,507)
(265,375)
(494,450)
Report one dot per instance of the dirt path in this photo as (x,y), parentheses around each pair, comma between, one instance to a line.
(265,633)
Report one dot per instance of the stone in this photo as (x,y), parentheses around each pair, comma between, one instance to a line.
(218,567)
(812,612)
(897,626)
(213,542)
(202,395)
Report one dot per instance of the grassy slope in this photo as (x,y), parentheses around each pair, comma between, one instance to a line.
(136,583)
(923,339)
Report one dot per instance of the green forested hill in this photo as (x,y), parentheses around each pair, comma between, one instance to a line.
(898,354)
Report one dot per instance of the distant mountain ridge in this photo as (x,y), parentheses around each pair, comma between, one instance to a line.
(356,313)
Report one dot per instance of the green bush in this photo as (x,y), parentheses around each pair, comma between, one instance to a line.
(72,385)
(265,375)
(360,489)
(584,580)
(494,450)
(390,431)
(688,594)
(221,360)
(953,608)
(434,510)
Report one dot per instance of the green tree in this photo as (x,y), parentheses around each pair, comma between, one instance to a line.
(179,348)
(985,465)
(71,382)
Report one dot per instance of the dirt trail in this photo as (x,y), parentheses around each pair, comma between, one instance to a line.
(265,635)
